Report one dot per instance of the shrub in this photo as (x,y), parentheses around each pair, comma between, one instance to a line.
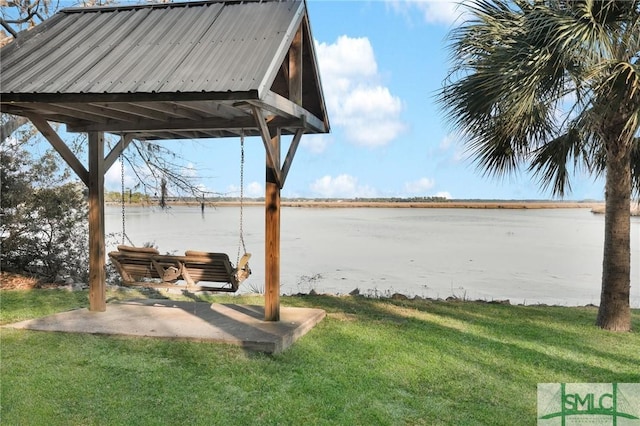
(44,216)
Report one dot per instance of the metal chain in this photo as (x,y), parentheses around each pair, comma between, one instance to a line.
(241,231)
(122,197)
(125,237)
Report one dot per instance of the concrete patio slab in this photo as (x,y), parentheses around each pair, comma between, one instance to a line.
(241,325)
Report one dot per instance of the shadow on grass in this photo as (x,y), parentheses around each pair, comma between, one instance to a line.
(572,329)
(369,362)
(490,357)
(561,341)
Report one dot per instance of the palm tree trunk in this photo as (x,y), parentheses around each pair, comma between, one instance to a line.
(614,312)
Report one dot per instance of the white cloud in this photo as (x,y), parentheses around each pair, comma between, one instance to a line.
(317,144)
(419,187)
(447,12)
(202,188)
(453,142)
(443,194)
(252,190)
(460,155)
(348,57)
(371,116)
(342,186)
(444,12)
(356,100)
(113,176)
(189,171)
(447,141)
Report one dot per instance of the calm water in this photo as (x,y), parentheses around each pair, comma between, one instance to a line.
(527,256)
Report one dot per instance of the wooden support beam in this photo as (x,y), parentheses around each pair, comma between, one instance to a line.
(275,177)
(111,158)
(97,273)
(273,156)
(58,144)
(272,237)
(295,68)
(290,154)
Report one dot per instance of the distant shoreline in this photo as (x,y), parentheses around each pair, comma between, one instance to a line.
(454,204)
(596,207)
(446,204)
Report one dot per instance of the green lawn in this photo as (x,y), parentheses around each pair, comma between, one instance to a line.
(368,362)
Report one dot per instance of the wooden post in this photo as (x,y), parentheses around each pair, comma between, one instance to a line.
(272,236)
(97,273)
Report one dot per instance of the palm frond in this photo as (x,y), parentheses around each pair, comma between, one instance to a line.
(494,147)
(510,89)
(616,99)
(550,162)
(545,83)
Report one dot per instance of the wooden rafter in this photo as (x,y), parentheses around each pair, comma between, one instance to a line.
(59,145)
(132,111)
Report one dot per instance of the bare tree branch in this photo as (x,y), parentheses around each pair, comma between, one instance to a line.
(7,27)
(26,10)
(13,124)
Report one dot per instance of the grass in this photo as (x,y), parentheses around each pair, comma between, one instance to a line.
(369,362)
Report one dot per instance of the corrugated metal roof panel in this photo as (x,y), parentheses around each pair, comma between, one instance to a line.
(198,47)
(166,70)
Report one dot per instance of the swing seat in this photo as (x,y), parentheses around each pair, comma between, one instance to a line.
(138,266)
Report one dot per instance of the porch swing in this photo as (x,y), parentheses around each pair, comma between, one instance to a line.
(146,267)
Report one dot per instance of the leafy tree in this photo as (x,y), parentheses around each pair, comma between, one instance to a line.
(44,216)
(554,85)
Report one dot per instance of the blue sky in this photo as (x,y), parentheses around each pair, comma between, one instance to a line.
(381,63)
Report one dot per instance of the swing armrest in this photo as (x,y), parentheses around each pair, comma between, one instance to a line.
(244,260)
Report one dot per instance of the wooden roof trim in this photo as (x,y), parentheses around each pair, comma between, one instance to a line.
(308,36)
(278,59)
(279,105)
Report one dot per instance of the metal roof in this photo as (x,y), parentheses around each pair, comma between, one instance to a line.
(176,70)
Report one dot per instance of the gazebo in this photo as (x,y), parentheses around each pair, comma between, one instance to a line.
(200,69)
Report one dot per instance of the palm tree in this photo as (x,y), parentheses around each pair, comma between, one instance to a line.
(554,86)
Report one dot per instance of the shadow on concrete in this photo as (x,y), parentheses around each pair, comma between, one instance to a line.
(241,325)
